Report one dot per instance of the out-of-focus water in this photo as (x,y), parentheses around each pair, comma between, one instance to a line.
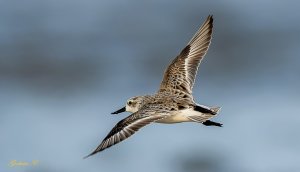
(65,65)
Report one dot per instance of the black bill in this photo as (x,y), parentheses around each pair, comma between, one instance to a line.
(119,111)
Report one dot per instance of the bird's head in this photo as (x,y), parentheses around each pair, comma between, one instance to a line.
(132,105)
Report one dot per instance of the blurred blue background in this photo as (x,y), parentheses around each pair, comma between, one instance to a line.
(65,65)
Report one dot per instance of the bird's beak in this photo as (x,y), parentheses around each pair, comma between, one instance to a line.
(123,109)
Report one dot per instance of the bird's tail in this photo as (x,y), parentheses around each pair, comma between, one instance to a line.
(205,115)
(215,109)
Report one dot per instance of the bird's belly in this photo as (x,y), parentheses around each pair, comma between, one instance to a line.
(174,119)
(179,116)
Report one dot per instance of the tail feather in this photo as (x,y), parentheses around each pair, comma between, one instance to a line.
(206,114)
(200,118)
(215,109)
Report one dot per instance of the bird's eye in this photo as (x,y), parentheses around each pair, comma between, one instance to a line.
(130,102)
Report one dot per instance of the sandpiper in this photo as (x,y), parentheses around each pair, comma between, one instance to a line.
(173,103)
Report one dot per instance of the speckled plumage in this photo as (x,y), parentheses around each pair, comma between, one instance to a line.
(173,102)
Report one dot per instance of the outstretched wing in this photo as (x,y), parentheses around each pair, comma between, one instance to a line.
(181,73)
(127,127)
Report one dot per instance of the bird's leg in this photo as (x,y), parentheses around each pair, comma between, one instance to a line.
(210,123)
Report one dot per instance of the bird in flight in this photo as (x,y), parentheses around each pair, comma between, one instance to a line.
(173,102)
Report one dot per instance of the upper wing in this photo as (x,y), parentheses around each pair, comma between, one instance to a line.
(181,73)
(127,127)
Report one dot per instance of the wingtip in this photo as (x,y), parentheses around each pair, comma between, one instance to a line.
(89,155)
(210,18)
(85,157)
